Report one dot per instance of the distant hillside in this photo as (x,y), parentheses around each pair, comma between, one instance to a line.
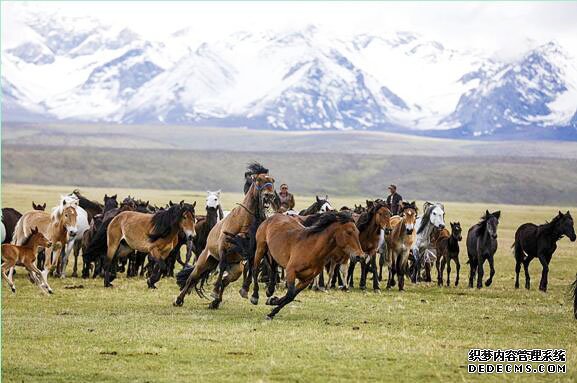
(499,179)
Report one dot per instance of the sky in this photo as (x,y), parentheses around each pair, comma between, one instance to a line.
(501,28)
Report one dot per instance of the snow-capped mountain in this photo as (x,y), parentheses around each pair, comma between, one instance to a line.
(79,69)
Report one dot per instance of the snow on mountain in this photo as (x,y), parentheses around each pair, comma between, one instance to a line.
(79,69)
(538,90)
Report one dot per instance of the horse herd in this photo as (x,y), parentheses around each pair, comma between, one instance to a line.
(261,242)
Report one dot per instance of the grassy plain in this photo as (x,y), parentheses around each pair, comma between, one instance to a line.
(131,334)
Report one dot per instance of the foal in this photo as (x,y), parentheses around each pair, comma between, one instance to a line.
(532,241)
(447,249)
(25,255)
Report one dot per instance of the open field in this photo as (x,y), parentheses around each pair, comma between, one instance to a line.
(131,334)
(499,179)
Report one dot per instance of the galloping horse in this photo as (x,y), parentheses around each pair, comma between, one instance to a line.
(481,246)
(59,227)
(433,218)
(302,251)
(532,241)
(399,243)
(25,255)
(255,207)
(155,234)
(370,225)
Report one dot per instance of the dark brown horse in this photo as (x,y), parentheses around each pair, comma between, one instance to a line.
(447,249)
(370,225)
(532,241)
(302,251)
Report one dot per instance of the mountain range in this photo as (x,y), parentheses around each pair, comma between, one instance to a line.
(58,68)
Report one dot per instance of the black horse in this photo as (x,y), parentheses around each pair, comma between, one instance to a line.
(319,206)
(481,246)
(9,218)
(532,241)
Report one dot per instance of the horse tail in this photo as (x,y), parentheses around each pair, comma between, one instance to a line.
(19,232)
(183,275)
(574,296)
(239,245)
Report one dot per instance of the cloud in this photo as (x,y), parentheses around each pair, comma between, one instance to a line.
(503,28)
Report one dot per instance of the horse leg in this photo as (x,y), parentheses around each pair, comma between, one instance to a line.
(480,272)
(448,271)
(41,276)
(376,286)
(400,268)
(458,270)
(332,267)
(545,264)
(491,272)
(205,263)
(76,249)
(473,265)
(292,292)
(6,267)
(321,280)
(439,275)
(527,276)
(381,264)
(517,271)
(273,278)
(518,261)
(67,250)
(110,261)
(363,281)
(351,273)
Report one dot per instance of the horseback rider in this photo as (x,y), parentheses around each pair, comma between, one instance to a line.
(394,200)
(287,200)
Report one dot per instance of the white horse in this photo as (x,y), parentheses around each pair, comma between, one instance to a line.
(82,225)
(423,251)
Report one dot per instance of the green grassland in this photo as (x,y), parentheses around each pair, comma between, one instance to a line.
(131,334)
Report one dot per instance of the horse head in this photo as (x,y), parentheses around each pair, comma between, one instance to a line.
(187,220)
(566,225)
(409,217)
(213,199)
(492,222)
(264,189)
(456,230)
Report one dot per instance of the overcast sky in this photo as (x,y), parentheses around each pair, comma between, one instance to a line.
(504,28)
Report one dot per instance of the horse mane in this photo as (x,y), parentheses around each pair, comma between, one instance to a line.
(164,221)
(366,217)
(27,239)
(85,201)
(254,168)
(326,219)
(426,219)
(550,225)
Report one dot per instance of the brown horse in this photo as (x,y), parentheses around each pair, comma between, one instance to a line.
(155,234)
(399,243)
(25,255)
(59,227)
(370,225)
(447,249)
(256,205)
(302,251)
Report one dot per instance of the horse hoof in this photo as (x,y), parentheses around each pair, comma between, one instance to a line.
(74,275)
(150,285)
(488,283)
(214,305)
(377,290)
(363,288)
(14,290)
(243,293)
(272,301)
(178,302)
(269,317)
(254,300)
